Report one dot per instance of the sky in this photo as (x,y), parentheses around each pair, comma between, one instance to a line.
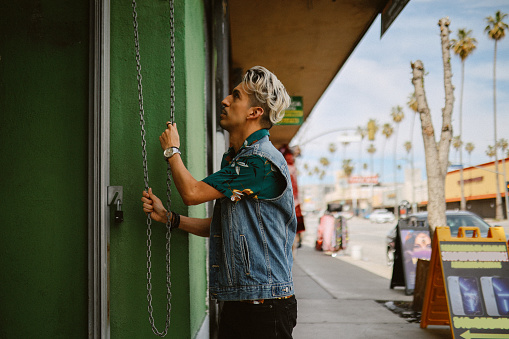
(377,77)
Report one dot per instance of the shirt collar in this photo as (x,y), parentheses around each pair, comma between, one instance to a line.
(256,136)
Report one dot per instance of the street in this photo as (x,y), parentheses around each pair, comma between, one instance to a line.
(364,236)
(367,237)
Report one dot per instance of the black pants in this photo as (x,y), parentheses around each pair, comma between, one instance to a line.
(274,319)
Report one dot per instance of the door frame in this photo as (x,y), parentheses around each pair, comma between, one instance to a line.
(99,170)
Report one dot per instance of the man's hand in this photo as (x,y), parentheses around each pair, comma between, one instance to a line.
(154,206)
(170,137)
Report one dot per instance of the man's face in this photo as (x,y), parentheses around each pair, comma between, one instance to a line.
(236,109)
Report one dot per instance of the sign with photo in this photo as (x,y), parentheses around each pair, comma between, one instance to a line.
(413,242)
(474,275)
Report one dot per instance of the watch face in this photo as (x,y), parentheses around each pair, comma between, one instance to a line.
(168,152)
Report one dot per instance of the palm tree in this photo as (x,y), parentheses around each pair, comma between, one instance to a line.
(371,150)
(332,150)
(347,167)
(412,104)
(322,175)
(496,31)
(397,116)
(372,128)
(345,145)
(325,162)
(362,132)
(463,47)
(491,151)
(503,144)
(469,147)
(457,143)
(387,130)
(408,146)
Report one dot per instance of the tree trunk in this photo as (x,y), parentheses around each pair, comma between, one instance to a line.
(463,203)
(436,154)
(498,200)
(505,187)
(383,165)
(396,200)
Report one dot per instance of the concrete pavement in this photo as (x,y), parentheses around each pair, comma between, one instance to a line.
(337,299)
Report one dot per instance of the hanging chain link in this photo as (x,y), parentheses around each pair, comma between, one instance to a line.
(145,170)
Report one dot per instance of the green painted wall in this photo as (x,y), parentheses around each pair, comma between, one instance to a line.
(129,316)
(43,160)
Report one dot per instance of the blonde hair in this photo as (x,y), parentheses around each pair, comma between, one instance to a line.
(268,92)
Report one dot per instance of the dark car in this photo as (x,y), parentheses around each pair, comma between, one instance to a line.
(455,219)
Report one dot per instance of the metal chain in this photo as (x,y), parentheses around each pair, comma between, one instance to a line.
(145,171)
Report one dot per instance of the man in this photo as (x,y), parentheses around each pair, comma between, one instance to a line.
(253,225)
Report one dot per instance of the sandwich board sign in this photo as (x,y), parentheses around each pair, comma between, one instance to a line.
(467,286)
(412,243)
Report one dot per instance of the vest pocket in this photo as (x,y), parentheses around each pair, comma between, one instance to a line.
(245,253)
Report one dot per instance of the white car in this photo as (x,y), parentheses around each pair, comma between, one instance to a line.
(381,216)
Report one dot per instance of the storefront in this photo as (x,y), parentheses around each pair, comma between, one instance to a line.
(479,188)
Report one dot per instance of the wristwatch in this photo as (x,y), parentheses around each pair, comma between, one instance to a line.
(170,151)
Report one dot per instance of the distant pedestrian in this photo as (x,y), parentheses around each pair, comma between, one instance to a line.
(290,155)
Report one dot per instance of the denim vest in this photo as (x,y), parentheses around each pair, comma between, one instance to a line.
(250,254)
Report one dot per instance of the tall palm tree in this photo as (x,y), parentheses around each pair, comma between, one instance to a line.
(387,130)
(348,167)
(463,47)
(372,128)
(412,104)
(332,150)
(362,132)
(496,31)
(469,147)
(371,150)
(457,143)
(491,151)
(503,144)
(345,145)
(408,146)
(397,116)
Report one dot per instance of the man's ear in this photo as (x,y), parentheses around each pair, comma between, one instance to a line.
(255,112)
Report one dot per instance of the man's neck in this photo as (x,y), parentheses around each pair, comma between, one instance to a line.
(237,139)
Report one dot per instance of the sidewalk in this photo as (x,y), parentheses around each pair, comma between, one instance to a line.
(338,300)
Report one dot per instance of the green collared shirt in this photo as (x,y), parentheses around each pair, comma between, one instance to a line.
(250,175)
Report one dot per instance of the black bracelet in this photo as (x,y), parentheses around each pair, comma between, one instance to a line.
(175,222)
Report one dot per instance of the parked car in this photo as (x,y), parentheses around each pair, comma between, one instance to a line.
(381,215)
(455,219)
